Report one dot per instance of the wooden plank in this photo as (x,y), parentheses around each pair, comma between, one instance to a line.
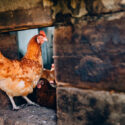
(18,17)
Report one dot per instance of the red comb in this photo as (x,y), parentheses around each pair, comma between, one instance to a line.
(42,33)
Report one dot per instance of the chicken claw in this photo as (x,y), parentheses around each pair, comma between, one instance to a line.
(30,103)
(16,108)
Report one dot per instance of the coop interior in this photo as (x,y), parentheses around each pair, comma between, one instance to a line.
(72,58)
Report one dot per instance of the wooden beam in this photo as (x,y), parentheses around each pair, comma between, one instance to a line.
(18,17)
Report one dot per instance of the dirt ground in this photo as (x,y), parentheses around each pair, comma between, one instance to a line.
(29,115)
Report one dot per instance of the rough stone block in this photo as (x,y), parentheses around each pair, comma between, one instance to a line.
(64,9)
(89,107)
(91,55)
(102,37)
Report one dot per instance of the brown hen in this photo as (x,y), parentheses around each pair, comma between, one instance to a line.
(18,78)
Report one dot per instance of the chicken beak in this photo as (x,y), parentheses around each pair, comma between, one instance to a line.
(51,82)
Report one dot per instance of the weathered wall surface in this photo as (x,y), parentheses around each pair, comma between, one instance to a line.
(88,107)
(92,54)
(70,11)
(4,100)
(8,45)
(16,15)
(89,49)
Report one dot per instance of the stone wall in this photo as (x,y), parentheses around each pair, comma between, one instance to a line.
(89,55)
(92,54)
(89,107)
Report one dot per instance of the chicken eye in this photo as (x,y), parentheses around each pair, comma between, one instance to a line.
(40,39)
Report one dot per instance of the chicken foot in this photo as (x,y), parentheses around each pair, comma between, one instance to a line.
(15,107)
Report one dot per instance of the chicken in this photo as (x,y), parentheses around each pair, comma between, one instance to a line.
(46,89)
(19,77)
(46,94)
(49,75)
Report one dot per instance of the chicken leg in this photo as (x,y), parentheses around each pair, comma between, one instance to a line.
(29,101)
(15,107)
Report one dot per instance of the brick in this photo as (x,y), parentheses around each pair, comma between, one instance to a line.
(89,107)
